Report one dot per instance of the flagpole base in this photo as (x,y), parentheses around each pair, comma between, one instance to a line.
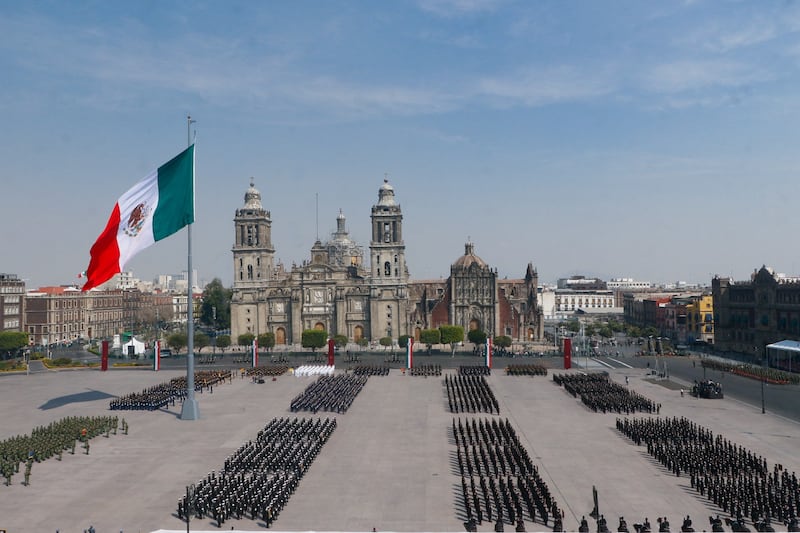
(190,410)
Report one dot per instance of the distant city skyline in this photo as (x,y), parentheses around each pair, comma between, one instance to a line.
(654,141)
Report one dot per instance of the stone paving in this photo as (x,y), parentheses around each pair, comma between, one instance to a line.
(390,464)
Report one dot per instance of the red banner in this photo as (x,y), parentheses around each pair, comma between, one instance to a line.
(567,353)
(330,352)
(104,356)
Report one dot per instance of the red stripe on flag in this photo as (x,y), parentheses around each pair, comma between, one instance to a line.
(105,254)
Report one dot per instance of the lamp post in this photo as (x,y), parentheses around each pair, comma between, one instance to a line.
(214,324)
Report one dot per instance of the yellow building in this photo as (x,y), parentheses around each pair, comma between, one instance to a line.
(700,319)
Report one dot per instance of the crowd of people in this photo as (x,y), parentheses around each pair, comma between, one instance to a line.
(165,394)
(470,394)
(734,478)
(329,393)
(599,393)
(509,488)
(52,440)
(258,479)
(773,375)
(526,370)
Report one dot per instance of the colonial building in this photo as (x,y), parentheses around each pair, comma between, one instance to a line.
(748,315)
(336,291)
(12,302)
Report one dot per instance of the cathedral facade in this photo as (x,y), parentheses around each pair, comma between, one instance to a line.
(336,291)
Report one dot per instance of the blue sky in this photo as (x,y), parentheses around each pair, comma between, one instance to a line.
(654,140)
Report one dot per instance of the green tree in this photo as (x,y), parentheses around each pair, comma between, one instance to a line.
(385,341)
(245,339)
(314,339)
(429,337)
(402,341)
(177,341)
(216,297)
(340,341)
(476,336)
(201,340)
(11,342)
(363,342)
(502,341)
(452,335)
(223,341)
(266,340)
(573,325)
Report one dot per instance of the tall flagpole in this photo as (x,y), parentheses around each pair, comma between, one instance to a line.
(190,409)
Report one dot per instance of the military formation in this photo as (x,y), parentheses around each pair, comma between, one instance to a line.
(737,480)
(370,370)
(526,370)
(470,394)
(258,479)
(334,394)
(53,440)
(509,488)
(166,394)
(432,370)
(600,394)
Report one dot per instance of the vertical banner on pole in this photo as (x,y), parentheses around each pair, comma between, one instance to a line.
(255,353)
(488,352)
(410,352)
(331,348)
(104,357)
(567,353)
(157,356)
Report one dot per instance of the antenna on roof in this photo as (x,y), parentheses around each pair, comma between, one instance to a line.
(316,200)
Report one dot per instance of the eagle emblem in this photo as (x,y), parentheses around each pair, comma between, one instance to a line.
(136,220)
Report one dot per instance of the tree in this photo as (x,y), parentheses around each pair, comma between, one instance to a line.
(216,298)
(223,341)
(429,337)
(245,339)
(314,339)
(340,341)
(452,335)
(266,340)
(476,337)
(402,341)
(201,340)
(363,342)
(11,341)
(574,325)
(502,341)
(177,341)
(385,341)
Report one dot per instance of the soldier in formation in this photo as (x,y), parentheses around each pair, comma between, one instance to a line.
(329,393)
(470,393)
(737,480)
(260,477)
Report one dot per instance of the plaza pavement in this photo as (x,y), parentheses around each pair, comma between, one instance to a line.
(389,465)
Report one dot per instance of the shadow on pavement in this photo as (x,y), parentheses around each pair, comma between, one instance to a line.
(88,396)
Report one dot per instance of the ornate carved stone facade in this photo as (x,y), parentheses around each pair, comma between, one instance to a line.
(335,291)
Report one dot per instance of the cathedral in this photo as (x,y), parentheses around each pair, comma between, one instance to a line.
(336,291)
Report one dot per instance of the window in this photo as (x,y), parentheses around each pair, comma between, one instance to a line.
(387,269)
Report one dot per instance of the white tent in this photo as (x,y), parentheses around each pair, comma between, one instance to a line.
(138,347)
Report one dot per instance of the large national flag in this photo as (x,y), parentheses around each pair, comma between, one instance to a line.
(153,209)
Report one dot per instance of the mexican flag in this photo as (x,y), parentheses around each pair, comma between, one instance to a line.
(153,209)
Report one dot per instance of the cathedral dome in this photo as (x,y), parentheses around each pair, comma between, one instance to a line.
(469,258)
(252,198)
(386,194)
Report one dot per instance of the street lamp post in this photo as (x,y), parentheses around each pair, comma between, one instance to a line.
(763,379)
(214,323)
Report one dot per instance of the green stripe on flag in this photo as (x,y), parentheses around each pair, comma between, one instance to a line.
(175,195)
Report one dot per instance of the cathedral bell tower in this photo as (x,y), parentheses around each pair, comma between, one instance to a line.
(388,271)
(253,254)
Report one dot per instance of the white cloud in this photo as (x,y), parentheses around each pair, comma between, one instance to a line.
(456,8)
(541,86)
(688,75)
